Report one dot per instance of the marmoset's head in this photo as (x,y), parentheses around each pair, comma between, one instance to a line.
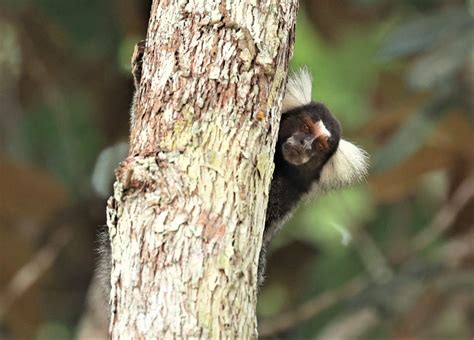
(310,137)
(309,133)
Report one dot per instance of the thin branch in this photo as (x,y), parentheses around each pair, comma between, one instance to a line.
(355,323)
(372,256)
(351,325)
(311,307)
(26,276)
(446,216)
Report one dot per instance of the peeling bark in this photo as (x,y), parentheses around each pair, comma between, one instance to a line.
(187,215)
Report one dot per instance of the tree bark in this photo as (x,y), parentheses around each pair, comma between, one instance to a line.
(187,215)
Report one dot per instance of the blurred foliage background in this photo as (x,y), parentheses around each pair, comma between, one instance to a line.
(390,258)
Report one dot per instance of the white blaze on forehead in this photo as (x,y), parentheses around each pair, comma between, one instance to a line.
(322,130)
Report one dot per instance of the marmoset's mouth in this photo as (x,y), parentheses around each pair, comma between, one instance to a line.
(294,154)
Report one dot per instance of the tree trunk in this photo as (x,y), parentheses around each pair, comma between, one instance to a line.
(188,210)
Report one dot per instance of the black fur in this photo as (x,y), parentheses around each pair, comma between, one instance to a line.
(290,182)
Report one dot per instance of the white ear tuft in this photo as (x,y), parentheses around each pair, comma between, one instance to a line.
(348,164)
(298,89)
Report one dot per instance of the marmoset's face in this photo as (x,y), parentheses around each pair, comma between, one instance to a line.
(308,133)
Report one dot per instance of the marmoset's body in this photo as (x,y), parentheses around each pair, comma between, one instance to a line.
(310,159)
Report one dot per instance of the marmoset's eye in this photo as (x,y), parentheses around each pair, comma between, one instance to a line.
(306,128)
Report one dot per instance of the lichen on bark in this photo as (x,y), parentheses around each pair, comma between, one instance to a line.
(188,210)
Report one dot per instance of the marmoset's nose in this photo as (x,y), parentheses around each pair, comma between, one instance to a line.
(305,140)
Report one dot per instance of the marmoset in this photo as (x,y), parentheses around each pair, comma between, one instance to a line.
(310,159)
